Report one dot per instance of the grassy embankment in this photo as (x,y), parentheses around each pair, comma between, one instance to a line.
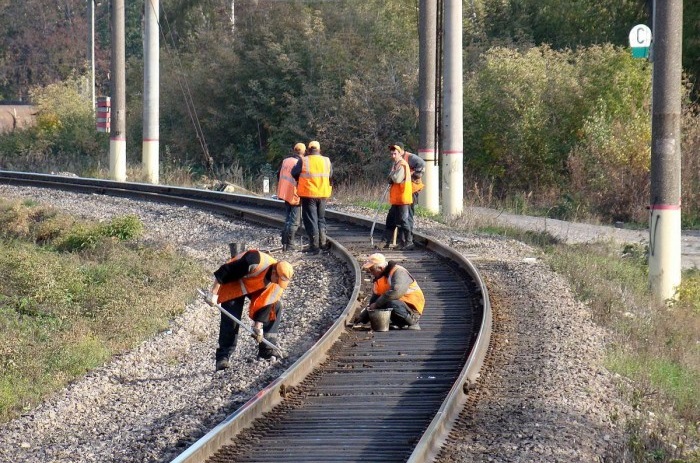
(656,349)
(73,294)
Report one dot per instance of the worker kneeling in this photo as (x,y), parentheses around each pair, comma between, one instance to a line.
(394,290)
(259,277)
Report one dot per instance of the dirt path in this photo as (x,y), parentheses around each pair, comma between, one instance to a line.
(573,232)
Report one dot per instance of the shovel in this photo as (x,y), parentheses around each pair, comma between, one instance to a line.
(376,214)
(240,323)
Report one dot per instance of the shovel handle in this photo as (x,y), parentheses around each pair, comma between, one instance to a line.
(240,323)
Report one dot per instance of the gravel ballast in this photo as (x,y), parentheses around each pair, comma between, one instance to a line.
(544,395)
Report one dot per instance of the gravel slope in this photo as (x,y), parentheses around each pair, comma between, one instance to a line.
(543,397)
(149,404)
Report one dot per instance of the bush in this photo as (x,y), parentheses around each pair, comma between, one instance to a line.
(64,135)
(88,236)
(570,124)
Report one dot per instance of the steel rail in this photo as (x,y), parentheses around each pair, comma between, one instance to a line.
(246,207)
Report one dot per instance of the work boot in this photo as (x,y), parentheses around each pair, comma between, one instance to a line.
(291,245)
(285,239)
(323,241)
(222,364)
(266,352)
(313,245)
(414,327)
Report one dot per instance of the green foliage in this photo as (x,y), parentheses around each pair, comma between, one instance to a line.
(570,121)
(88,236)
(559,23)
(514,127)
(62,314)
(126,227)
(689,290)
(679,383)
(43,225)
(341,73)
(64,135)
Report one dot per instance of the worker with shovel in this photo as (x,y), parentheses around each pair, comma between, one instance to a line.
(401,199)
(416,165)
(262,279)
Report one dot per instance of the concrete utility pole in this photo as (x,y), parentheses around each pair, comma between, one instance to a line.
(452,124)
(427,30)
(151,91)
(117,138)
(665,204)
(91,50)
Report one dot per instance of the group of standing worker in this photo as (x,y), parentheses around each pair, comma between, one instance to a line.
(304,186)
(304,183)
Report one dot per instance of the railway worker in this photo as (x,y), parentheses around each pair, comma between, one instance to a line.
(417,166)
(287,191)
(394,289)
(262,279)
(401,200)
(313,173)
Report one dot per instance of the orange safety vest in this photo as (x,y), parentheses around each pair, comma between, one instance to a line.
(253,282)
(271,294)
(416,185)
(401,193)
(414,296)
(287,185)
(314,180)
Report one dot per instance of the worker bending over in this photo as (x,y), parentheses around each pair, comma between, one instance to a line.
(259,277)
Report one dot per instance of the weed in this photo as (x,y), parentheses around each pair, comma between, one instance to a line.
(64,313)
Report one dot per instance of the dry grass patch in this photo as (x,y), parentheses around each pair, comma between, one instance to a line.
(75,293)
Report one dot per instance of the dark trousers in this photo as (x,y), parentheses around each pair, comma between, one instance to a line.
(398,217)
(228,329)
(292,222)
(313,212)
(412,212)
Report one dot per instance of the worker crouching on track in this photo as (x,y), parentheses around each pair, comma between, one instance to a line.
(259,277)
(394,289)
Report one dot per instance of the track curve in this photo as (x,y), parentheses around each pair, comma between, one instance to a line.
(356,396)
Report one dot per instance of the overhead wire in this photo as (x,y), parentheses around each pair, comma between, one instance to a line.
(185,88)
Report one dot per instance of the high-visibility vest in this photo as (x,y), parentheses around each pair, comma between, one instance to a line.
(271,294)
(401,193)
(416,185)
(253,282)
(414,296)
(287,185)
(314,179)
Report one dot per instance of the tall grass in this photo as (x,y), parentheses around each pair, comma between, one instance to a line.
(654,346)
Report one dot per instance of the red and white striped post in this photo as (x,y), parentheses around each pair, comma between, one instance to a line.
(104,114)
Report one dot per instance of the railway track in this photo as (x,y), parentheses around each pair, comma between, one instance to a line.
(356,395)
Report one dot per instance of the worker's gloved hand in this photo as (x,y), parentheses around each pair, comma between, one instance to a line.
(212,298)
(257,334)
